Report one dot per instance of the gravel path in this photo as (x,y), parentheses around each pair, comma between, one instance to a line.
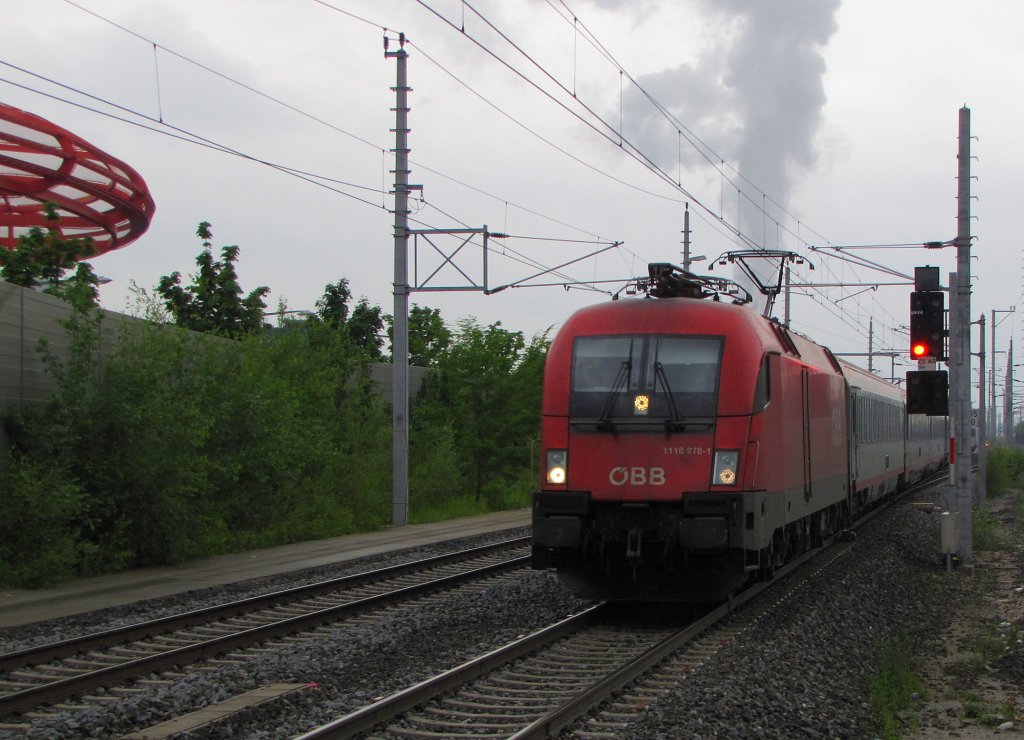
(973,680)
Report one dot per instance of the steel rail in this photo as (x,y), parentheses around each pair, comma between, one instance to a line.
(555,720)
(365,718)
(30,698)
(151,628)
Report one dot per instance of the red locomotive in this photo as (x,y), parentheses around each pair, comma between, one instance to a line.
(690,444)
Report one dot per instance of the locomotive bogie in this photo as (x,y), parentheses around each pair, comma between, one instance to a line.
(701,548)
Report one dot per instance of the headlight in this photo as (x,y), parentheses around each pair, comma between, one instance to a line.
(557,462)
(641,404)
(727,464)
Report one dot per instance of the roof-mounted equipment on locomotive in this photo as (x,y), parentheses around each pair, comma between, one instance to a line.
(666,280)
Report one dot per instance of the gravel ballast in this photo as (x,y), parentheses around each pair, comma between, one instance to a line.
(350,665)
(801,671)
(53,630)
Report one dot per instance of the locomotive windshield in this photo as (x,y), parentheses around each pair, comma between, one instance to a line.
(645,377)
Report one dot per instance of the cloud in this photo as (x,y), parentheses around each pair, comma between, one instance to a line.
(755,95)
(775,69)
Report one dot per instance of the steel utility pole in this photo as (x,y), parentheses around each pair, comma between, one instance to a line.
(871,345)
(1008,397)
(993,430)
(953,363)
(688,257)
(403,287)
(787,296)
(994,425)
(982,419)
(686,238)
(400,332)
(962,475)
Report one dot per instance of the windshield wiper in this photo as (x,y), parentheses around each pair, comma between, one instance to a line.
(676,422)
(621,378)
(659,373)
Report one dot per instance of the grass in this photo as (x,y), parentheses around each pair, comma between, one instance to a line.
(452,509)
(1005,470)
(977,709)
(990,644)
(421,513)
(969,653)
(986,531)
(1005,478)
(894,686)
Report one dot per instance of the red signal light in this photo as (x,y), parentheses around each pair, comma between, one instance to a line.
(927,330)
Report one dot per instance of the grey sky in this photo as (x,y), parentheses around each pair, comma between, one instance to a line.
(846,114)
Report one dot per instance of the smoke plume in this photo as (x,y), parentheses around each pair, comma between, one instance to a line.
(754,95)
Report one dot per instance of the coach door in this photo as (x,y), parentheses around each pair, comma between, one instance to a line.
(805,394)
(853,411)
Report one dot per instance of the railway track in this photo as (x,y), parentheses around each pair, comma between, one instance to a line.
(46,674)
(537,686)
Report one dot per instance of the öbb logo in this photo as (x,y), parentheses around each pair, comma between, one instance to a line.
(637,476)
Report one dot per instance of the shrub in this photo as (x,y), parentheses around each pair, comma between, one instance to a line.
(186,444)
(40,528)
(1005,470)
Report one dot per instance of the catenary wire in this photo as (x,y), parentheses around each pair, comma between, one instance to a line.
(196,139)
(706,151)
(294,108)
(342,131)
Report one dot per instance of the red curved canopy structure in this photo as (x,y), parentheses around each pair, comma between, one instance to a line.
(96,195)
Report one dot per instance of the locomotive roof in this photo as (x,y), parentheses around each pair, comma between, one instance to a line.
(750,334)
(658,313)
(682,315)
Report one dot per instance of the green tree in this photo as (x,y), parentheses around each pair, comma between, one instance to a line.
(365,327)
(177,445)
(486,390)
(80,290)
(214,302)
(429,337)
(43,256)
(364,324)
(332,307)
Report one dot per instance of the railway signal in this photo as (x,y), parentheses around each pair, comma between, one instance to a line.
(927,324)
(928,392)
